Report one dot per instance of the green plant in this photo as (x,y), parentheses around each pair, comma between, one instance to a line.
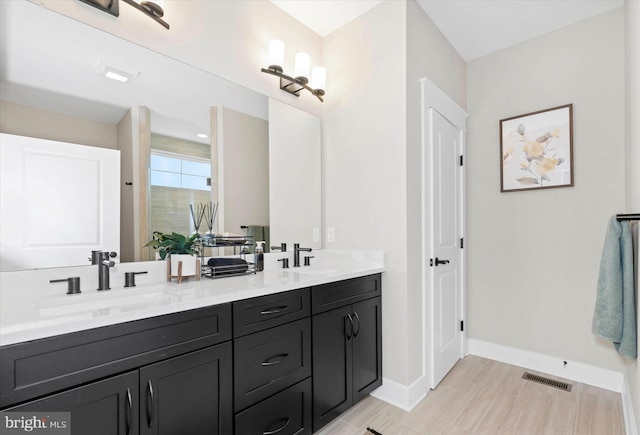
(174,243)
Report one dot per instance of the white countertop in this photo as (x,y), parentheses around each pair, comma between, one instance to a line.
(32,308)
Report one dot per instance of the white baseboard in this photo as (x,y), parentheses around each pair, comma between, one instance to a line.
(574,371)
(402,396)
(627,409)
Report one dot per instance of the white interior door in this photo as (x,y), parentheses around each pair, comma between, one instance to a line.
(60,201)
(443,225)
(446,252)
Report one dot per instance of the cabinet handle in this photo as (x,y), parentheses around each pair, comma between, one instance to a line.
(129,412)
(355,333)
(349,328)
(149,404)
(271,432)
(274,359)
(274,310)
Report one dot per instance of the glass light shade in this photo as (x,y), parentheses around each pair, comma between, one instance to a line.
(301,66)
(318,77)
(276,54)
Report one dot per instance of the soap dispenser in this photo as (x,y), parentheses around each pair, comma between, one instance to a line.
(259,256)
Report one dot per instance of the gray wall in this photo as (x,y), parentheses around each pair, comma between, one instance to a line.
(29,121)
(534,255)
(364,140)
(371,156)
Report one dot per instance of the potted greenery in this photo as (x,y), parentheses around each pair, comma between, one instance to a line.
(180,249)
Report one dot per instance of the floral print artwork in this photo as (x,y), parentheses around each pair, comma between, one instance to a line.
(536,150)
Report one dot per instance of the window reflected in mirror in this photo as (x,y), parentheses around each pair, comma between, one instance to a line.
(179,176)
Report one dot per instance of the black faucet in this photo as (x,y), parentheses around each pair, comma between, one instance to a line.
(281,248)
(103,269)
(296,254)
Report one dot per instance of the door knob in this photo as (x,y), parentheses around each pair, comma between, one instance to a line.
(438,261)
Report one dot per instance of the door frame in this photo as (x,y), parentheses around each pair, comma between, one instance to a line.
(434,98)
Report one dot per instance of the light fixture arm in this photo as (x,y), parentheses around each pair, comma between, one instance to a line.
(147,12)
(290,84)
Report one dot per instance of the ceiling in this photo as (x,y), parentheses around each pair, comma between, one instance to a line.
(474,27)
(33,41)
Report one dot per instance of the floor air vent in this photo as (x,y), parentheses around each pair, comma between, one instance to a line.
(546,381)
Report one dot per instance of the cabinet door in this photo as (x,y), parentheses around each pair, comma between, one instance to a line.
(189,394)
(108,407)
(332,381)
(367,347)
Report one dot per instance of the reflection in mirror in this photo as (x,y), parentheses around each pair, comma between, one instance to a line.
(52,88)
(179,177)
(243,150)
(295,156)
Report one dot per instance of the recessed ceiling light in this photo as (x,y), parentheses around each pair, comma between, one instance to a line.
(202,135)
(115,76)
(115,73)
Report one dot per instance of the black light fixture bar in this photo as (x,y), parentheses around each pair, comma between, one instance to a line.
(292,85)
(147,12)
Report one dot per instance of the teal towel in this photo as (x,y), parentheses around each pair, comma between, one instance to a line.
(614,317)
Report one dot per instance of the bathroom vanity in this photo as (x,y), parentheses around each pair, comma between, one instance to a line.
(278,352)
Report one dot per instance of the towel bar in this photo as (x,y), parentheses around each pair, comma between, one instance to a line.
(628,217)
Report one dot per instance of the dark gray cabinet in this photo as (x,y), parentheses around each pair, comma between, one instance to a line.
(189,394)
(272,364)
(281,364)
(285,413)
(36,368)
(347,345)
(178,375)
(108,407)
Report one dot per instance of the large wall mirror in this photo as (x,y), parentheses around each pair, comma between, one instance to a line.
(52,86)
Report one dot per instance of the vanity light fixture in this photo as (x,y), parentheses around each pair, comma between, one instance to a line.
(300,81)
(151,9)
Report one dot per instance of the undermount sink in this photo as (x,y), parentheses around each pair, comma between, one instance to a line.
(123,300)
(312,271)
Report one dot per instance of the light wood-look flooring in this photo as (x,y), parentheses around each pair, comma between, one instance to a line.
(481,396)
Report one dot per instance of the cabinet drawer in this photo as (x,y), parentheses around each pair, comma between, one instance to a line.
(257,314)
(338,294)
(40,367)
(269,361)
(286,413)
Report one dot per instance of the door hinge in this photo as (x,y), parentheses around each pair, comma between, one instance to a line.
(461,242)
(462,325)
(461,160)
